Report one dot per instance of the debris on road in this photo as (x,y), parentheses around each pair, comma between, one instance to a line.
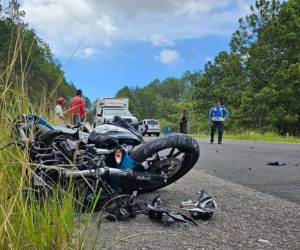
(263,241)
(125,207)
(276,163)
(242,221)
(203,208)
(166,216)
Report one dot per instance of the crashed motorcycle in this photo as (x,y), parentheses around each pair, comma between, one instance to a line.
(112,157)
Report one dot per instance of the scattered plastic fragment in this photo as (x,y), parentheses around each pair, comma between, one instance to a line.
(276,163)
(203,208)
(166,216)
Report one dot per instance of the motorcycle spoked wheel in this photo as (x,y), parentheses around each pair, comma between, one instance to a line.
(176,147)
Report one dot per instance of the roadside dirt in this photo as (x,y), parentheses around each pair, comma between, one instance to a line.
(245,219)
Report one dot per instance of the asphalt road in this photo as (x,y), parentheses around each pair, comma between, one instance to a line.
(245,219)
(248,217)
(245,163)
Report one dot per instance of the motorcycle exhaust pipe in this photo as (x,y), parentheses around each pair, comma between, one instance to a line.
(137,175)
(96,172)
(147,177)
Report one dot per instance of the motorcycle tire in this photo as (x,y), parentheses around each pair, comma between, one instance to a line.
(182,142)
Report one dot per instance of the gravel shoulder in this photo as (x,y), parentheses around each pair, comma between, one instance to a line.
(245,219)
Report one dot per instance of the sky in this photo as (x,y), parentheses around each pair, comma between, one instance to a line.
(104,45)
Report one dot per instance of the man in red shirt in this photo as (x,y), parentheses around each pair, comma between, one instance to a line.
(77,108)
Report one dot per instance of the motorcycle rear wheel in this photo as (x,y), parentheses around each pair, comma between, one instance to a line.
(179,146)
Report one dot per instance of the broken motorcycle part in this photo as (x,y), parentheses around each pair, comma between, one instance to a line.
(157,212)
(203,208)
(125,207)
(276,163)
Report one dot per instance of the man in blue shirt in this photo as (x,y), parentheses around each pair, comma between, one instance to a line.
(217,115)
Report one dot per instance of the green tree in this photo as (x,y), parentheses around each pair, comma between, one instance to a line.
(129,93)
(36,69)
(259,78)
(270,97)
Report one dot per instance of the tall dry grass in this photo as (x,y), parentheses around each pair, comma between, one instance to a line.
(25,223)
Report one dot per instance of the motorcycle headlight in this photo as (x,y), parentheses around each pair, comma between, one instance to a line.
(118,156)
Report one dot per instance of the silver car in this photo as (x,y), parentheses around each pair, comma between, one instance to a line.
(149,127)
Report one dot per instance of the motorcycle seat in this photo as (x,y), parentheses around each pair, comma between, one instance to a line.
(49,135)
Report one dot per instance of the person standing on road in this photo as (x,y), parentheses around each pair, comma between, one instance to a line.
(77,109)
(58,110)
(217,115)
(184,122)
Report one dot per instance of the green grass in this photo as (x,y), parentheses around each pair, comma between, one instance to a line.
(26,223)
(254,136)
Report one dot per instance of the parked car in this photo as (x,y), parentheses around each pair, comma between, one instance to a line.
(149,127)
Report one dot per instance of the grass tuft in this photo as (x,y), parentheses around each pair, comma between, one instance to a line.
(26,223)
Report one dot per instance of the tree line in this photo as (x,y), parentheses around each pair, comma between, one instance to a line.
(34,67)
(258,78)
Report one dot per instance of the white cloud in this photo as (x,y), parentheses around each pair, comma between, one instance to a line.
(100,24)
(107,24)
(88,52)
(159,40)
(65,24)
(168,56)
(84,53)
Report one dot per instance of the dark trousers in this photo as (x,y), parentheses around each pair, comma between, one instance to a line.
(183,128)
(214,126)
(77,119)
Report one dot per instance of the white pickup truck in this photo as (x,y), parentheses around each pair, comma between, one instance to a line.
(105,109)
(149,127)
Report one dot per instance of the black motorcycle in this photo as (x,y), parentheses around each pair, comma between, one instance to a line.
(112,157)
